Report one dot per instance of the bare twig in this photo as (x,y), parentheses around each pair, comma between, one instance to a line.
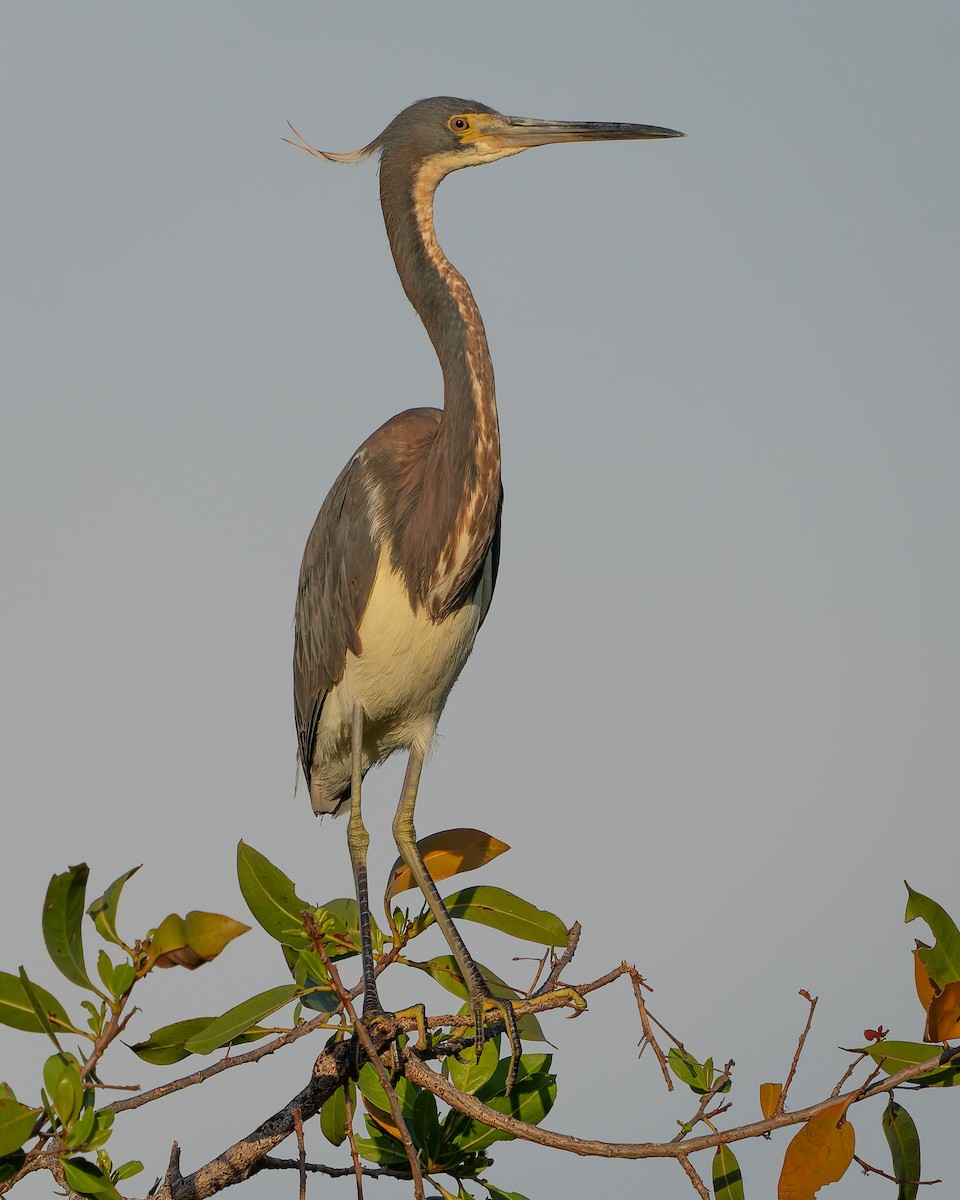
(847,1073)
(270,1163)
(373,1057)
(812,1001)
(358,1168)
(868,1170)
(648,1039)
(301,1153)
(551,981)
(698,1185)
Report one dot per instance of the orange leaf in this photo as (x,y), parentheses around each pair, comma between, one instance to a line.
(450,852)
(383,1119)
(769,1098)
(926,988)
(943,1015)
(819,1154)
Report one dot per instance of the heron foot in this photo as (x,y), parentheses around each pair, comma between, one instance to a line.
(483,1002)
(381,1029)
(570,995)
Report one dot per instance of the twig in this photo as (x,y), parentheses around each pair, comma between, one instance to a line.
(868,1170)
(358,1168)
(847,1073)
(719,1083)
(373,1057)
(551,981)
(301,1153)
(698,1185)
(541,967)
(812,1001)
(271,1163)
(648,1039)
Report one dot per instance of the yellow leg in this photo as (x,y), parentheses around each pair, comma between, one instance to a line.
(357,841)
(482,999)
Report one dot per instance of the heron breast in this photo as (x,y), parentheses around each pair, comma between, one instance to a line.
(403,675)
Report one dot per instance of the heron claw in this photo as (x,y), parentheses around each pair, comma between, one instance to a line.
(484,1003)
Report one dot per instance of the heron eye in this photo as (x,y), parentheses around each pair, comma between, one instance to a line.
(458,124)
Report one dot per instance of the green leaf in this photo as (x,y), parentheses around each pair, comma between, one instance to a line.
(64,1087)
(372,1089)
(894,1056)
(530,1066)
(424,1126)
(697,1076)
(82,1129)
(10,1165)
(311,974)
(16,1124)
(496,1194)
(381,1149)
(904,1142)
(165,1046)
(104,909)
(17,1011)
(103,1126)
(333,1115)
(88,1180)
(727,1181)
(339,923)
(503,910)
(530,1101)
(942,961)
(125,1170)
(124,977)
(240,1018)
(271,898)
(62,915)
(105,970)
(33,999)
(469,1075)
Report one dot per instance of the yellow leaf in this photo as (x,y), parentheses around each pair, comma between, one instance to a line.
(926,988)
(819,1154)
(769,1098)
(943,1015)
(208,933)
(450,852)
(192,940)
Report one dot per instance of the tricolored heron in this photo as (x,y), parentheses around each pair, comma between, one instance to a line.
(400,566)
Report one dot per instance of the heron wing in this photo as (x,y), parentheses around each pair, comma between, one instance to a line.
(336,577)
(494,559)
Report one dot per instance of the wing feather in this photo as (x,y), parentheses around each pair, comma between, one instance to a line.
(336,578)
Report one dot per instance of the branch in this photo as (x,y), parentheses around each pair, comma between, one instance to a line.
(417,1072)
(241,1160)
(698,1185)
(868,1170)
(812,1001)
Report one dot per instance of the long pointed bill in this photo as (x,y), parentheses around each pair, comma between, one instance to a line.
(519,133)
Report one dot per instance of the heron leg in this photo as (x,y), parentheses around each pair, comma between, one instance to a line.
(482,999)
(357,841)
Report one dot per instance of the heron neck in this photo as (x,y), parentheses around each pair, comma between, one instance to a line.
(445,304)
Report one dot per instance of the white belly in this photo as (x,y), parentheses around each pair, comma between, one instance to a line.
(402,678)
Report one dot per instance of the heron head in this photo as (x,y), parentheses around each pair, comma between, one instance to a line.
(452,133)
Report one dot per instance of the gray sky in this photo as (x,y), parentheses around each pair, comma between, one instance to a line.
(714,709)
